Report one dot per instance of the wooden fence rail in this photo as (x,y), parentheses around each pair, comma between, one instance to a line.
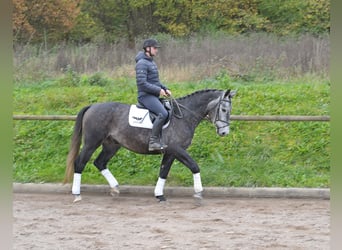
(287,118)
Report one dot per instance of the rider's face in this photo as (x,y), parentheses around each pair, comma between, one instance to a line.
(154,51)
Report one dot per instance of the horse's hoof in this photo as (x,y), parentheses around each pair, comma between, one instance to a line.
(115,191)
(161,198)
(77,198)
(198,195)
(198,198)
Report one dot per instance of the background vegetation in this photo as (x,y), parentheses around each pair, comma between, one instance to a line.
(68,54)
(256,57)
(254,154)
(110,21)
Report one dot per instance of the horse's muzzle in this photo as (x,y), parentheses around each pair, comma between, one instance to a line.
(223,131)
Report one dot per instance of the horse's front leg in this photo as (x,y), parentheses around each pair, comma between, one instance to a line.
(163,173)
(183,156)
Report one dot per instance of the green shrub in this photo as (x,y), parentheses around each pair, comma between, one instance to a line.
(98,79)
(70,78)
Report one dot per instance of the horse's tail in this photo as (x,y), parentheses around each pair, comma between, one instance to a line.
(74,146)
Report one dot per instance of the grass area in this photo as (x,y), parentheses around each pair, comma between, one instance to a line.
(254,154)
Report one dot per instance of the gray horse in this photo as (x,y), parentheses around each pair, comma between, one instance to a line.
(107,124)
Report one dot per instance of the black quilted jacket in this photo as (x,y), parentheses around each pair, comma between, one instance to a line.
(147,76)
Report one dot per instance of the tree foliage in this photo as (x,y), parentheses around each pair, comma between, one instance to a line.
(293,16)
(317,17)
(113,20)
(39,19)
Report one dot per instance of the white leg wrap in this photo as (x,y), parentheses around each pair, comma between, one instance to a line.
(197,183)
(159,189)
(76,185)
(110,178)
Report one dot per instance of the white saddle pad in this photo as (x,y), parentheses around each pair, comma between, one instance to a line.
(140,117)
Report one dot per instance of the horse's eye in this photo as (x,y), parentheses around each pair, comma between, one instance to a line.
(224,110)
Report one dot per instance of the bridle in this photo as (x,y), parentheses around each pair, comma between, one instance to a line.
(217,118)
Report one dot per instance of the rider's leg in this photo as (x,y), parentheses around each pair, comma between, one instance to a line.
(155,139)
(153,104)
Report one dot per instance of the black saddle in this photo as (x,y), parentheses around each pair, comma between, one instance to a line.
(166,103)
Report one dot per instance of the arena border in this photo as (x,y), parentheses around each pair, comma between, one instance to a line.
(209,192)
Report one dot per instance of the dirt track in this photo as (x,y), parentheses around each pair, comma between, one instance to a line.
(52,221)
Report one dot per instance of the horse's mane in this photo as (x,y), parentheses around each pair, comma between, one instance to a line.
(197,92)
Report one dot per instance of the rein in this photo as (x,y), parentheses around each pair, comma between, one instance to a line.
(179,106)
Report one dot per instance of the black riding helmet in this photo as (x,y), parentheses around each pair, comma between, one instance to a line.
(150,43)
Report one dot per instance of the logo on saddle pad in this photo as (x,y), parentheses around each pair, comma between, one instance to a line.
(140,117)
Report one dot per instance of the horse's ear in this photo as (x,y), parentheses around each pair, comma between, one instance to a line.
(232,93)
(227,93)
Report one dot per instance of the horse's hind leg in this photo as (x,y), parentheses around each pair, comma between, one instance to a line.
(79,165)
(109,149)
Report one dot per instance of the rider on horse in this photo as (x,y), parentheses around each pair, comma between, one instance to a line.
(149,90)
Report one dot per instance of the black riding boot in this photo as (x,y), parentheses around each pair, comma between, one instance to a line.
(155,139)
